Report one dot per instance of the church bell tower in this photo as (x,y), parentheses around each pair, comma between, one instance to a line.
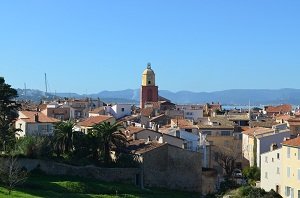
(149,92)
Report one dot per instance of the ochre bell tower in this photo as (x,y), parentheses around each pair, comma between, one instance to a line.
(149,92)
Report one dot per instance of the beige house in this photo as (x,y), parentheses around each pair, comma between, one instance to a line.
(88,123)
(34,123)
(290,177)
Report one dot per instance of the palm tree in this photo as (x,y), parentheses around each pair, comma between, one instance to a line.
(63,137)
(108,137)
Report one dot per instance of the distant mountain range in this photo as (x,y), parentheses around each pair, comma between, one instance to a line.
(230,97)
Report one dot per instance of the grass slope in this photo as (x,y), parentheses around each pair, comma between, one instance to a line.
(39,185)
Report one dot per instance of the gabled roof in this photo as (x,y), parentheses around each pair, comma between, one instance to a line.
(41,118)
(91,121)
(257,131)
(295,142)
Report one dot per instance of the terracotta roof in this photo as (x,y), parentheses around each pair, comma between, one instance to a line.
(141,146)
(294,121)
(283,117)
(89,122)
(131,130)
(286,108)
(147,111)
(257,131)
(184,124)
(295,142)
(42,118)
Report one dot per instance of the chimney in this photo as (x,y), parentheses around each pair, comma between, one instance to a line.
(148,140)
(36,117)
(161,139)
(273,147)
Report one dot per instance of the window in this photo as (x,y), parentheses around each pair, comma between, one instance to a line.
(278,157)
(122,109)
(288,171)
(298,174)
(287,191)
(149,82)
(206,132)
(225,133)
(266,175)
(278,171)
(288,152)
(272,159)
(266,159)
(298,153)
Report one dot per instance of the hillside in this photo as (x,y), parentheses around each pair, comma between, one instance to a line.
(233,96)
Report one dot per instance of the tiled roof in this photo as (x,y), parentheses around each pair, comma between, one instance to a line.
(295,142)
(184,124)
(131,130)
(89,122)
(147,111)
(42,118)
(286,108)
(141,146)
(257,131)
(283,117)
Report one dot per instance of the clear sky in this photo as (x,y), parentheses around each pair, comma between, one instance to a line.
(196,45)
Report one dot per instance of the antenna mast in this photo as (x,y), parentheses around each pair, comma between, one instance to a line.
(46,84)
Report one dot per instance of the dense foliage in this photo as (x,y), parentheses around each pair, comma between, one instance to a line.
(8,113)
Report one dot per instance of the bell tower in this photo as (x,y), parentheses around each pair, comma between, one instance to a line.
(149,92)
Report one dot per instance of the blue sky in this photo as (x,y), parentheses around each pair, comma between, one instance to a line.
(196,45)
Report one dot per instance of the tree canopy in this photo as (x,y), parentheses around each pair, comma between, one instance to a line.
(8,114)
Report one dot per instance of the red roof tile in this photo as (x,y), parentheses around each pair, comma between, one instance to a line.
(42,118)
(295,142)
(257,131)
(89,122)
(286,108)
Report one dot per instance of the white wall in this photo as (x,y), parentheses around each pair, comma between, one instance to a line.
(270,170)
(263,143)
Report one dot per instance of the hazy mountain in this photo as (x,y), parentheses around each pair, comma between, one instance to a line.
(234,96)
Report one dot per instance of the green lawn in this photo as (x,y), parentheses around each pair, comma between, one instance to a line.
(39,185)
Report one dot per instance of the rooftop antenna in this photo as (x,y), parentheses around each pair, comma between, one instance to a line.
(46,84)
(25,94)
(249,110)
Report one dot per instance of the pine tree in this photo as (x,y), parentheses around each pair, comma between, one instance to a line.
(8,114)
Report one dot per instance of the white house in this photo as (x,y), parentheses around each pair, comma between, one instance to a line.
(270,177)
(258,140)
(119,110)
(34,123)
(191,112)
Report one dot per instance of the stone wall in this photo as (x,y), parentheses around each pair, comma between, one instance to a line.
(209,181)
(127,175)
(174,168)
